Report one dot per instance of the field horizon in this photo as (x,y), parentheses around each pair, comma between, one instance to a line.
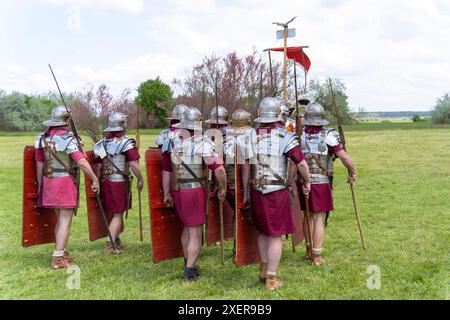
(402,192)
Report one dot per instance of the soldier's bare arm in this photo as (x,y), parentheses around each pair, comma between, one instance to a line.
(348,163)
(84,165)
(221,177)
(137,172)
(246,172)
(39,173)
(166,189)
(304,171)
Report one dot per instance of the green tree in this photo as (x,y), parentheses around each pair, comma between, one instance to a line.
(441,113)
(321,93)
(155,97)
(21,112)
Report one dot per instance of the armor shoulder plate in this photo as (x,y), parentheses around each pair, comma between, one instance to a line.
(163,137)
(38,142)
(65,142)
(99,149)
(332,137)
(288,140)
(118,146)
(204,146)
(128,144)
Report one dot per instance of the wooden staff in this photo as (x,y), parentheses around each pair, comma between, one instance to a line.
(138,144)
(222,240)
(352,187)
(308,226)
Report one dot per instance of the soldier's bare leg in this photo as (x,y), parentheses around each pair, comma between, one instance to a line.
(61,258)
(274,250)
(185,241)
(318,236)
(116,225)
(62,230)
(319,229)
(194,245)
(306,235)
(262,248)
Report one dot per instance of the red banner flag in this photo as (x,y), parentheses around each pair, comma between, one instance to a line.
(297,54)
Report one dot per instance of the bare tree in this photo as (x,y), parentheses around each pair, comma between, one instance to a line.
(92,108)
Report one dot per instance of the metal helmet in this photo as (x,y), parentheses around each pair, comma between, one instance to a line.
(191,119)
(60,116)
(240,120)
(304,100)
(315,115)
(117,122)
(223,116)
(284,112)
(269,110)
(177,112)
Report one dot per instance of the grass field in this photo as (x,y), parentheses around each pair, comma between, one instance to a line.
(403,193)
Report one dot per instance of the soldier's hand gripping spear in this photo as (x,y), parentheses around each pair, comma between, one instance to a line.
(352,187)
(80,147)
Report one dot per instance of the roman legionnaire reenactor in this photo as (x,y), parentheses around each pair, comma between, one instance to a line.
(114,156)
(184,182)
(321,146)
(272,147)
(218,119)
(58,159)
(239,132)
(164,136)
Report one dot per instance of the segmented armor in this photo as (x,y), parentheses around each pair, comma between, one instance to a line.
(111,151)
(270,150)
(243,140)
(191,151)
(315,147)
(57,150)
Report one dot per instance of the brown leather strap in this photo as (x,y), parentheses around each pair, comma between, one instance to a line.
(266,182)
(274,173)
(191,180)
(55,156)
(325,172)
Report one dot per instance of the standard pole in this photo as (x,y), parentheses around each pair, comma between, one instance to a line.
(285,62)
(271,73)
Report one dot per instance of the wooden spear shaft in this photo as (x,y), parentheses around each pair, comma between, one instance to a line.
(352,187)
(138,144)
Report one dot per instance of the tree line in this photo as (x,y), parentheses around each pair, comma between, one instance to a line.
(232,81)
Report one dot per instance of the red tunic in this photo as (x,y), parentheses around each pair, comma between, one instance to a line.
(190,204)
(61,192)
(272,213)
(321,196)
(114,194)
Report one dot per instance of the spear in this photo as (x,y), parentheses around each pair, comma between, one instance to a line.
(352,187)
(222,253)
(138,144)
(80,146)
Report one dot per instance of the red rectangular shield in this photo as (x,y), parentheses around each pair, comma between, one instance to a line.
(38,224)
(246,232)
(97,228)
(298,236)
(166,227)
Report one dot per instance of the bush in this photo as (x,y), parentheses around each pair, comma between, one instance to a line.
(441,113)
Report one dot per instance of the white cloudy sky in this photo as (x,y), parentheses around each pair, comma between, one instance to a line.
(392,54)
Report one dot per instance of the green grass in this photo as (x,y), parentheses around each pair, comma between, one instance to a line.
(404,200)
